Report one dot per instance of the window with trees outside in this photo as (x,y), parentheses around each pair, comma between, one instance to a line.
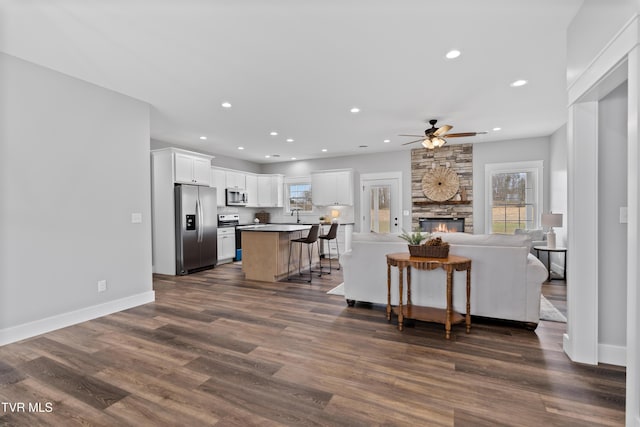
(514,193)
(299,194)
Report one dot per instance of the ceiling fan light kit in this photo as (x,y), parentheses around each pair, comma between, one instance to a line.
(435,137)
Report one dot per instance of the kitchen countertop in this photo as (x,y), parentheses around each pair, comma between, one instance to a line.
(262,224)
(277,228)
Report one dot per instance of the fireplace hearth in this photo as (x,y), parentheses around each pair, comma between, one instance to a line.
(443,225)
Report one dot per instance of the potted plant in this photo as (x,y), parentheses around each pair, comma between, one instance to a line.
(431,248)
(414,238)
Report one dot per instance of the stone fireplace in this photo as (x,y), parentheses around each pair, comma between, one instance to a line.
(459,159)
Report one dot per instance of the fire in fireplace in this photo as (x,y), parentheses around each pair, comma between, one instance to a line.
(443,225)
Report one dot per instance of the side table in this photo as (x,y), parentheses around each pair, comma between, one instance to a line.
(549,250)
(450,264)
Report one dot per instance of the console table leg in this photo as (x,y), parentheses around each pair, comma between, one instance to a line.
(388,292)
(447,324)
(468,317)
(409,285)
(400,309)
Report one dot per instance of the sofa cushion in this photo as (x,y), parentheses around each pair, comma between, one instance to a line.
(535,234)
(377,237)
(515,240)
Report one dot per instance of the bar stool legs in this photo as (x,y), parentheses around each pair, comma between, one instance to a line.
(331,235)
(311,238)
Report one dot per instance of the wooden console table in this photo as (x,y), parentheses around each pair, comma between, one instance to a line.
(447,316)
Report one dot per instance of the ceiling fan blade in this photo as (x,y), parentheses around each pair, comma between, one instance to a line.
(417,136)
(442,130)
(458,135)
(411,142)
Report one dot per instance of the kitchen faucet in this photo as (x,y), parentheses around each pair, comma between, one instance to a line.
(297,211)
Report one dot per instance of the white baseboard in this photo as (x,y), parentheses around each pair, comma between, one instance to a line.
(37,327)
(558,269)
(612,354)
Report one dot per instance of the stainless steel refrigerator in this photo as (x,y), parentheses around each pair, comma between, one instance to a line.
(196,228)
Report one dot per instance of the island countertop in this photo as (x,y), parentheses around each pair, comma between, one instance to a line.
(277,228)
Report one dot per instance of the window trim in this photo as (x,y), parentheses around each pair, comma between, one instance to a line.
(295,180)
(536,167)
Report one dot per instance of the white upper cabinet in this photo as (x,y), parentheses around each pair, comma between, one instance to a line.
(219,181)
(270,191)
(332,187)
(192,169)
(236,180)
(277,190)
(251,188)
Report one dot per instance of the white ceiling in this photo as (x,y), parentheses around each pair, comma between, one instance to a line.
(299,66)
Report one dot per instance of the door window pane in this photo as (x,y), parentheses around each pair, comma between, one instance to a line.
(380,209)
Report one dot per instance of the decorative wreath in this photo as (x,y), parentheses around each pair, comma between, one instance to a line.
(440,184)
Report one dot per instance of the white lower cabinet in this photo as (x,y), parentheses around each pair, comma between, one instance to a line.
(226,244)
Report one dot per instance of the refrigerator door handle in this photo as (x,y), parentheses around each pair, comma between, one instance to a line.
(199,219)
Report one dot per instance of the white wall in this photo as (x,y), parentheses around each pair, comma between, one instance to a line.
(397,161)
(558,192)
(501,152)
(74,166)
(220,161)
(486,152)
(595,24)
(612,235)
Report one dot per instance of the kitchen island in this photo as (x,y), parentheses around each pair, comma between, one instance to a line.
(265,251)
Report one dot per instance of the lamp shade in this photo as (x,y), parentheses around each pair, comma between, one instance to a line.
(552,220)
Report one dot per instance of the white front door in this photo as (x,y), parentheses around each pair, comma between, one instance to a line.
(380,203)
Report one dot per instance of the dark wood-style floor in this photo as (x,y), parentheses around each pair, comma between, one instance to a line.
(215,349)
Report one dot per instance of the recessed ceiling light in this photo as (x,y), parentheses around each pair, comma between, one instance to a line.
(452,54)
(240,148)
(497,129)
(273,133)
(289,139)
(324,150)
(203,138)
(226,104)
(267,156)
(519,83)
(293,158)
(355,110)
(386,141)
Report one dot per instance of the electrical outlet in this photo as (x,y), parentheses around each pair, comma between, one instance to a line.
(136,218)
(102,285)
(624,215)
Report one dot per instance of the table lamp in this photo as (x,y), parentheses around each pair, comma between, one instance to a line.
(551,220)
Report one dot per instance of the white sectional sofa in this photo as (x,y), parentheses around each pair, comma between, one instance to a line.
(506,278)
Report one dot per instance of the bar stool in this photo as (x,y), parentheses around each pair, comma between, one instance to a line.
(311,238)
(331,235)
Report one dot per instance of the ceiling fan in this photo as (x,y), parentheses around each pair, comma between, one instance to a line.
(435,137)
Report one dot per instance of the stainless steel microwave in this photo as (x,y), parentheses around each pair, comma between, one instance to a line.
(236,197)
